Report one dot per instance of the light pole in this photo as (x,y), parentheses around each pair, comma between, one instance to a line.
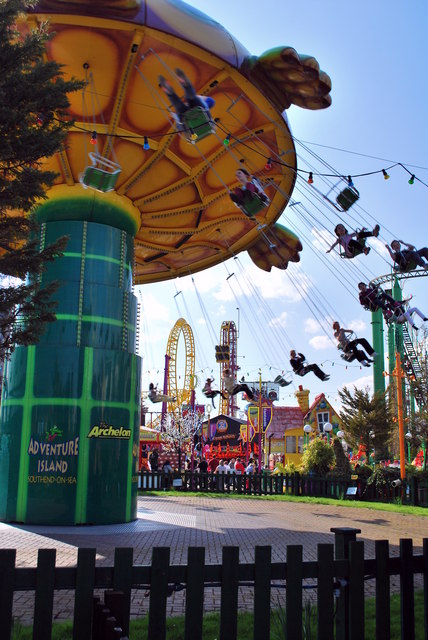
(408,437)
(328,428)
(208,408)
(341,435)
(373,454)
(307,430)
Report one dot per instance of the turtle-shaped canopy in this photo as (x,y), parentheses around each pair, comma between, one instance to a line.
(173,195)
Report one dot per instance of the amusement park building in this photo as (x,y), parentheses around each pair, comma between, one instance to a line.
(285,434)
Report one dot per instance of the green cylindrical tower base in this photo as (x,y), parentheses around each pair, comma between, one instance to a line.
(69,424)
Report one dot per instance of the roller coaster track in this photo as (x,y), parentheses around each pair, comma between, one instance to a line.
(413,368)
(416,273)
(181,391)
(411,362)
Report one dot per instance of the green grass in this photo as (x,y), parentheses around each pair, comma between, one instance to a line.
(211,624)
(359,504)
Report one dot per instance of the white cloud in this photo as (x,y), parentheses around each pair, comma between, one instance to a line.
(279,321)
(254,283)
(152,310)
(311,325)
(379,247)
(320,342)
(357,325)
(360,383)
(202,321)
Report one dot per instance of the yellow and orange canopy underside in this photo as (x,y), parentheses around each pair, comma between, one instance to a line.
(177,193)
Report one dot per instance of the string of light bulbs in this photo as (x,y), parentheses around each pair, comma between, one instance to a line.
(269,160)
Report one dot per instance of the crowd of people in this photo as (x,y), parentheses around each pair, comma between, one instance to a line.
(150,462)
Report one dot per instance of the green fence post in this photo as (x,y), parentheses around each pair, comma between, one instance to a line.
(343,536)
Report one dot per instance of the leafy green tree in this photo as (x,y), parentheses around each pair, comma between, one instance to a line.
(33,126)
(318,457)
(366,420)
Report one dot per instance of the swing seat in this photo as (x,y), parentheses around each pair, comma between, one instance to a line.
(197,123)
(252,204)
(281,381)
(355,252)
(101,175)
(347,198)
(410,266)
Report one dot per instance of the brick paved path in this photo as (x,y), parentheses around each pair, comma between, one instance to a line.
(180,521)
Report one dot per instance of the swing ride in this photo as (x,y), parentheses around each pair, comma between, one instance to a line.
(139,204)
(171,194)
(142,202)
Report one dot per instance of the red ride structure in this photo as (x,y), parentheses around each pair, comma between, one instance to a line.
(227,357)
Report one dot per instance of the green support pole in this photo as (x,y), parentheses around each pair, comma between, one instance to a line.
(378,346)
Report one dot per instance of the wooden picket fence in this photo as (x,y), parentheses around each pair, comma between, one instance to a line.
(337,577)
(415,492)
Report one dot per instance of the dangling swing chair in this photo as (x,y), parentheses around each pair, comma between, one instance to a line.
(194,124)
(410,266)
(282,381)
(197,124)
(390,315)
(345,198)
(253,202)
(355,251)
(210,394)
(348,356)
(101,175)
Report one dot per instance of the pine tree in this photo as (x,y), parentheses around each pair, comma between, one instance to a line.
(366,420)
(342,467)
(33,126)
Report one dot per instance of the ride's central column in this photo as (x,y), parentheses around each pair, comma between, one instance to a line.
(69,426)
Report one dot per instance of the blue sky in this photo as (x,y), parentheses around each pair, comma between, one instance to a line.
(375,54)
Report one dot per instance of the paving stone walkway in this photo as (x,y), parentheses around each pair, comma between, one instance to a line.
(181,521)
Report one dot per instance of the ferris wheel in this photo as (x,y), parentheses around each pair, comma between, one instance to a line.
(181,388)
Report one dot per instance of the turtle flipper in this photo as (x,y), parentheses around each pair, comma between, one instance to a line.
(290,78)
(275,247)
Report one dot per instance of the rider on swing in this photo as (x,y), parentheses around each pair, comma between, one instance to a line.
(353,243)
(189,101)
(211,393)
